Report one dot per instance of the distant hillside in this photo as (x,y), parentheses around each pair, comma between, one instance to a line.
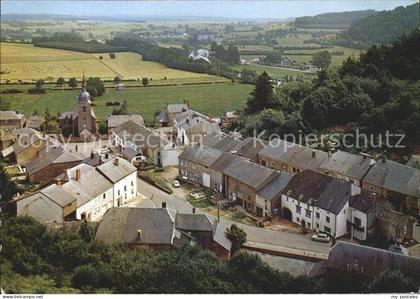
(382,27)
(334,20)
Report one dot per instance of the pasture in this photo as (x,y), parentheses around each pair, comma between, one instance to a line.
(28,63)
(212,99)
(273,71)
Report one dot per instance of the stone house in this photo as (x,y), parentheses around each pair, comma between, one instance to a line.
(349,167)
(50,164)
(398,183)
(318,202)
(291,157)
(166,117)
(10,120)
(114,121)
(146,142)
(28,145)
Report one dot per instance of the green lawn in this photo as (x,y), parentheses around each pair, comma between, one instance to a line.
(272,71)
(212,99)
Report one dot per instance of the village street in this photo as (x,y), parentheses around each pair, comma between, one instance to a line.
(255,235)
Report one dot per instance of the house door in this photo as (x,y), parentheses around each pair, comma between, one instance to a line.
(287,214)
(206,180)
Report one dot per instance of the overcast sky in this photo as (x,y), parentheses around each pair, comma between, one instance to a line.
(227,9)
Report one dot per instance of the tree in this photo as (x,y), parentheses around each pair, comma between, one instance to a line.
(237,236)
(61,81)
(117,79)
(112,55)
(97,83)
(92,91)
(248,76)
(393,282)
(8,188)
(145,81)
(73,82)
(233,54)
(103,128)
(39,83)
(274,57)
(321,59)
(86,232)
(262,96)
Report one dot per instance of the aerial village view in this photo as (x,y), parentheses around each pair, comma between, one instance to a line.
(210,147)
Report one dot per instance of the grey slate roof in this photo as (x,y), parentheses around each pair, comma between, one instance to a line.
(162,117)
(250,147)
(395,177)
(364,202)
(116,172)
(129,153)
(193,222)
(58,195)
(213,138)
(201,154)
(25,137)
(176,108)
(294,154)
(139,135)
(350,165)
(116,120)
(370,261)
(249,173)
(224,161)
(91,184)
(325,192)
(220,238)
(276,186)
(8,115)
(122,224)
(52,156)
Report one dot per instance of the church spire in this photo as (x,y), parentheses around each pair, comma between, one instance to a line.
(83,82)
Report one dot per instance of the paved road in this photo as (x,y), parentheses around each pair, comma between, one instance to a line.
(254,234)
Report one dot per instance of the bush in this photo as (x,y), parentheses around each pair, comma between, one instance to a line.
(11,90)
(36,90)
(112,55)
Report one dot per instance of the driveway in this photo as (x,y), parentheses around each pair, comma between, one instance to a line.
(254,234)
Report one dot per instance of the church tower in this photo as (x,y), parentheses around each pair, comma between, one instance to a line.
(84,119)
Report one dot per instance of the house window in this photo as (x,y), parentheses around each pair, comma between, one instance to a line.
(317,215)
(84,108)
(308,213)
(297,219)
(327,229)
(125,188)
(132,183)
(119,192)
(327,218)
(308,225)
(104,196)
(317,225)
(357,221)
(298,209)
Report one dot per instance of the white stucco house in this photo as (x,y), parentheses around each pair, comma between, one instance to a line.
(318,202)
(82,192)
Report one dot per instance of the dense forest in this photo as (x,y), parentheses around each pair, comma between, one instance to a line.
(37,259)
(334,20)
(375,92)
(382,27)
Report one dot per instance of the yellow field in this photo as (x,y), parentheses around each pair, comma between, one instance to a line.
(28,63)
(130,66)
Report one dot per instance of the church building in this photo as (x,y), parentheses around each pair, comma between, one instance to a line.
(82,120)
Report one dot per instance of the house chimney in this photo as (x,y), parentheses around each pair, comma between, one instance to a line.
(78,175)
(163,204)
(313,153)
(193,210)
(106,156)
(76,148)
(59,182)
(116,161)
(92,155)
(139,234)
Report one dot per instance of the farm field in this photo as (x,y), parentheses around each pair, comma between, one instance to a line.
(212,99)
(273,71)
(28,63)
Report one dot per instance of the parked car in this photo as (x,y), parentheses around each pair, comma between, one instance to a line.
(176,184)
(197,195)
(321,237)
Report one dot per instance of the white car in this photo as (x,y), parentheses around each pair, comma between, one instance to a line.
(176,184)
